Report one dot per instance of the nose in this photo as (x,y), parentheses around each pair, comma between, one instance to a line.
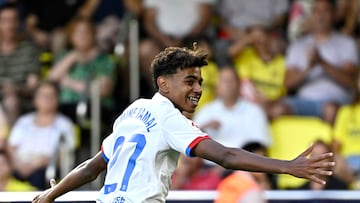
(197,88)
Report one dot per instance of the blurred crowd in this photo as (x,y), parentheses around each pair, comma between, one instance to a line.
(269,60)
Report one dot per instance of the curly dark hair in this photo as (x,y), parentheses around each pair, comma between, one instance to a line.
(168,61)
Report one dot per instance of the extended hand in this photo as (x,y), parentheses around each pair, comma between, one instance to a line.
(314,168)
(44,197)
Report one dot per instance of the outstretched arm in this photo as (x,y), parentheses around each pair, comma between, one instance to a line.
(84,173)
(232,158)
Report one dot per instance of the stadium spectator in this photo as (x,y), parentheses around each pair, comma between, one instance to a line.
(4,128)
(242,186)
(19,64)
(221,119)
(171,23)
(113,18)
(321,69)
(34,139)
(76,68)
(345,17)
(192,174)
(261,178)
(209,73)
(299,19)
(45,20)
(333,182)
(239,15)
(104,9)
(7,182)
(260,67)
(347,131)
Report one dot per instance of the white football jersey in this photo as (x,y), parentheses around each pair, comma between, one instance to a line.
(143,150)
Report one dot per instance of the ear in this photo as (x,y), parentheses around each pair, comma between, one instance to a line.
(163,84)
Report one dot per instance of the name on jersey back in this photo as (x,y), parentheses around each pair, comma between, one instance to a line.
(141,114)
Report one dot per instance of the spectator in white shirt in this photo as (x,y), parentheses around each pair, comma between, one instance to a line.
(229,120)
(35,137)
(321,69)
(221,118)
(171,23)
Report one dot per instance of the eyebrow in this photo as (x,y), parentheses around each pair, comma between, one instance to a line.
(195,78)
(192,77)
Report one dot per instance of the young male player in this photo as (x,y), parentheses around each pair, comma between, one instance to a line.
(142,152)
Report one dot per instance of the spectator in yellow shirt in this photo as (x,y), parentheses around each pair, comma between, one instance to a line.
(260,67)
(209,74)
(7,182)
(347,131)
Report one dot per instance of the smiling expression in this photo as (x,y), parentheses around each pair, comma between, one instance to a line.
(183,88)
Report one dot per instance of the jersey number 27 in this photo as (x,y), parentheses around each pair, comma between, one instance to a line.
(140,141)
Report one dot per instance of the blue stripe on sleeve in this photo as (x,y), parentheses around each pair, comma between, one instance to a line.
(104,157)
(188,152)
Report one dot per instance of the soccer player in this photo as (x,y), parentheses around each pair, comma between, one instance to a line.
(142,152)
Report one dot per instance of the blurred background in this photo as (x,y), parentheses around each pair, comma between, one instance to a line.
(282,74)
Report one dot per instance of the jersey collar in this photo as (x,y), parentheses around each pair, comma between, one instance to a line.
(161,98)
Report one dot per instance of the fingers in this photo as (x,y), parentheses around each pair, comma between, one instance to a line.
(52,182)
(322,157)
(35,199)
(314,178)
(324,164)
(308,151)
(322,172)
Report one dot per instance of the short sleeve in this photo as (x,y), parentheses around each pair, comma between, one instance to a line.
(351,53)
(182,134)
(106,150)
(17,133)
(295,57)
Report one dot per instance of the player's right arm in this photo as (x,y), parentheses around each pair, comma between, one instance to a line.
(84,173)
(313,168)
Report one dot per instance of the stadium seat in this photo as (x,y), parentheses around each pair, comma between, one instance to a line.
(291,136)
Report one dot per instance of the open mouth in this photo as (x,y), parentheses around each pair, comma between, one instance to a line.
(194,100)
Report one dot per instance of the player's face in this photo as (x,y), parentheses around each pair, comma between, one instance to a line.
(185,88)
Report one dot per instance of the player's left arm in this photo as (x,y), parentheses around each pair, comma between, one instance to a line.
(313,168)
(84,173)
